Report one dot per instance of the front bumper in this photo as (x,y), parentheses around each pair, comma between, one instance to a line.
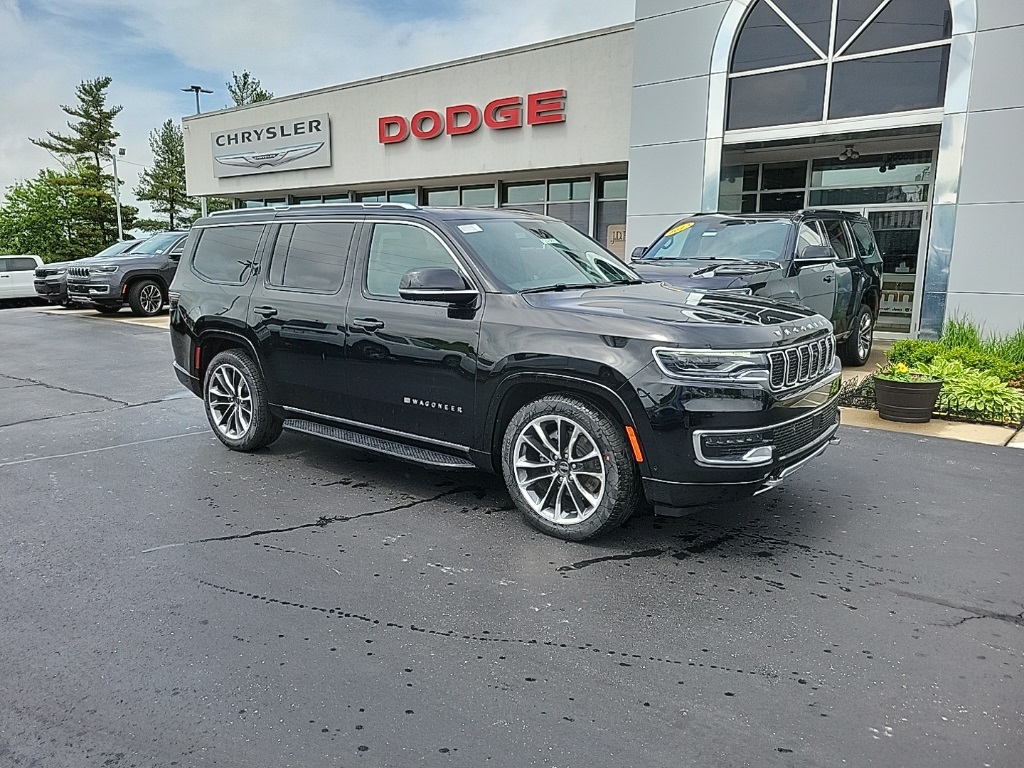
(52,290)
(93,291)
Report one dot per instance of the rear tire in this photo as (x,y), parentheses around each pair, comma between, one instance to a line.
(568,468)
(146,298)
(857,347)
(237,406)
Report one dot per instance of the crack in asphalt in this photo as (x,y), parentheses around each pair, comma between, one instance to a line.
(485,636)
(67,390)
(979,613)
(321,522)
(56,416)
(625,556)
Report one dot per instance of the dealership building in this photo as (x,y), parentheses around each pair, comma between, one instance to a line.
(904,110)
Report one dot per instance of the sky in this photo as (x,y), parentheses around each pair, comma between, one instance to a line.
(153,48)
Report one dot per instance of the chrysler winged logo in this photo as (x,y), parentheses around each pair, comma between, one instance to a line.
(269,159)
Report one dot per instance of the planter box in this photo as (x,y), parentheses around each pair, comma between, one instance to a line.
(906,401)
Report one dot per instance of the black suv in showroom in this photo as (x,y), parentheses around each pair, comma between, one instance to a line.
(825,260)
(139,277)
(499,340)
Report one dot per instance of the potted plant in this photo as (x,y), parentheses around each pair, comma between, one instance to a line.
(905,394)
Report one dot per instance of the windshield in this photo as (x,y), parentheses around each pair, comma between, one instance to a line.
(157,244)
(118,249)
(717,238)
(527,254)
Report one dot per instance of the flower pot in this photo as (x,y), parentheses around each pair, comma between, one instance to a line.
(906,401)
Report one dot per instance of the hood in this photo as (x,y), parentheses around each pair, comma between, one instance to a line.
(709,275)
(696,317)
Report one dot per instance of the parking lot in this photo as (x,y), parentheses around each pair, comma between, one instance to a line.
(169,602)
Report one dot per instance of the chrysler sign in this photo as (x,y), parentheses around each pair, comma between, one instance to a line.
(284,145)
(500,114)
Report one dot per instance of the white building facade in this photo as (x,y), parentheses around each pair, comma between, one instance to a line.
(904,110)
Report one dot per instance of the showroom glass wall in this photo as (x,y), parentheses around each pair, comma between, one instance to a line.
(810,70)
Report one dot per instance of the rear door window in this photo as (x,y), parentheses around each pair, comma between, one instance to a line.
(227,254)
(311,257)
(16,264)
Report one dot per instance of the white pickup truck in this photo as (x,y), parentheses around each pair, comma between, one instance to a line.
(16,277)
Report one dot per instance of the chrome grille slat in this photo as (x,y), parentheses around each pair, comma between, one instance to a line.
(801,363)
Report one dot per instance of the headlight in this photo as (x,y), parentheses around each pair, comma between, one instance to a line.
(709,364)
(60,272)
(107,268)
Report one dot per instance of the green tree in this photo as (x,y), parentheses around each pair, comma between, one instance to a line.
(163,185)
(246,89)
(87,147)
(49,215)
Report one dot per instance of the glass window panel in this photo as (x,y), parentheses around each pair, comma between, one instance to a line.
(814,17)
(306,200)
(784,175)
(16,264)
(852,13)
(749,204)
(765,40)
(913,80)
(776,98)
(898,234)
(225,254)
(252,203)
(280,253)
(528,207)
(336,198)
(611,226)
(532,192)
(730,203)
(316,256)
(612,188)
(864,242)
(781,202)
(838,239)
(442,196)
(901,193)
(397,248)
(895,168)
(905,22)
(403,196)
(576,215)
(807,236)
(275,201)
(478,197)
(372,197)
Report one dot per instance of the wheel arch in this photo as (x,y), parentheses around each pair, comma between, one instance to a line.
(134,277)
(520,389)
(212,341)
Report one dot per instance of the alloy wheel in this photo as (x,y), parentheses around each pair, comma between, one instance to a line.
(864,334)
(230,401)
(151,299)
(559,469)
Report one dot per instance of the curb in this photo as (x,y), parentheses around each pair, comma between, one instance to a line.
(985,434)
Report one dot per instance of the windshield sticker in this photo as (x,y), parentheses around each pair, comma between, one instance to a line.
(470,228)
(679,228)
(710,233)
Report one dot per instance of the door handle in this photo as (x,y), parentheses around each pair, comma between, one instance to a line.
(827,279)
(368,324)
(265,311)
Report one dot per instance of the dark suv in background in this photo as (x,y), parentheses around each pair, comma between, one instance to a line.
(505,341)
(140,277)
(51,279)
(825,260)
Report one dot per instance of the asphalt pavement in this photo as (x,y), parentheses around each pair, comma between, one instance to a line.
(167,602)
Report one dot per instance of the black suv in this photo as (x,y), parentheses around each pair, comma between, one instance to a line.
(500,340)
(825,260)
(139,277)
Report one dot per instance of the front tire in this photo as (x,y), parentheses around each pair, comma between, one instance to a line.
(105,309)
(568,468)
(857,347)
(146,298)
(236,402)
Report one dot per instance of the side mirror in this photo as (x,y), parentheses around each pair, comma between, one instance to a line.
(441,284)
(638,253)
(815,254)
(174,256)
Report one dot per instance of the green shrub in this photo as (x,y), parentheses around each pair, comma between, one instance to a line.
(913,352)
(1008,347)
(961,332)
(969,392)
(1004,370)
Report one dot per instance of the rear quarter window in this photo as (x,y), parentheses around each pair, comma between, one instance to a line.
(227,254)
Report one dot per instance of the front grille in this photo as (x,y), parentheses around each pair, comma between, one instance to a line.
(802,363)
(78,271)
(790,438)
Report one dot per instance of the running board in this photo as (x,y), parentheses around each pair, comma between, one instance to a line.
(415,454)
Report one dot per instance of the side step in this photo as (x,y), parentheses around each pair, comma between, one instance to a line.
(422,456)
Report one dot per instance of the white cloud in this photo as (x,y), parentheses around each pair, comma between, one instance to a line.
(152,49)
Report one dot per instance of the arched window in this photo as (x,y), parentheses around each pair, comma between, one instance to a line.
(801,61)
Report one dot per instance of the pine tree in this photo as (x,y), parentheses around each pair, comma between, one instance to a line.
(246,89)
(163,185)
(86,148)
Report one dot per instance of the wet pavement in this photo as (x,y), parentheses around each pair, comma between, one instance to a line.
(168,602)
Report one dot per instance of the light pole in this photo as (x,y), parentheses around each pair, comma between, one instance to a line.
(117,190)
(197,89)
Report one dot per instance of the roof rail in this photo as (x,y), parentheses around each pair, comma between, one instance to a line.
(238,211)
(407,206)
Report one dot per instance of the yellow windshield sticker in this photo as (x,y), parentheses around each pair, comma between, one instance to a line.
(679,228)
